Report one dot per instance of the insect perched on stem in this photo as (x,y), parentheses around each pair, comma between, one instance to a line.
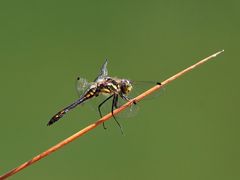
(112,88)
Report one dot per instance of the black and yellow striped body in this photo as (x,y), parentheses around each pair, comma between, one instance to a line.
(106,85)
(61,113)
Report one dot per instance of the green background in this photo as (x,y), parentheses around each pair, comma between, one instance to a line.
(190,132)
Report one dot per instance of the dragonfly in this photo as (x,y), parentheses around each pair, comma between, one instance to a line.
(103,85)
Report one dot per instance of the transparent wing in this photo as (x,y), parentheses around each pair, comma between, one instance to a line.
(138,88)
(81,85)
(130,111)
(103,71)
(141,86)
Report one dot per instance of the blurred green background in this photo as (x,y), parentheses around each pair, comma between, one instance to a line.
(190,132)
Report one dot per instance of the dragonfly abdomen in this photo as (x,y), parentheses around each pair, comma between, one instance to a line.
(56,117)
(61,113)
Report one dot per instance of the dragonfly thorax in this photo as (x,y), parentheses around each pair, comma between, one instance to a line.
(111,85)
(108,86)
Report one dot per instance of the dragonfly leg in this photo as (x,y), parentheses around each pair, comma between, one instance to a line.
(125,97)
(114,102)
(99,109)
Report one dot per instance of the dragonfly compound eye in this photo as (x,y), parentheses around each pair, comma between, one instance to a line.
(126,86)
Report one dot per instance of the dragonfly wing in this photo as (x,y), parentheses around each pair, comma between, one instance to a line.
(141,86)
(103,71)
(130,111)
(81,85)
(138,88)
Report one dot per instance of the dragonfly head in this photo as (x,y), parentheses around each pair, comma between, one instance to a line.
(126,86)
